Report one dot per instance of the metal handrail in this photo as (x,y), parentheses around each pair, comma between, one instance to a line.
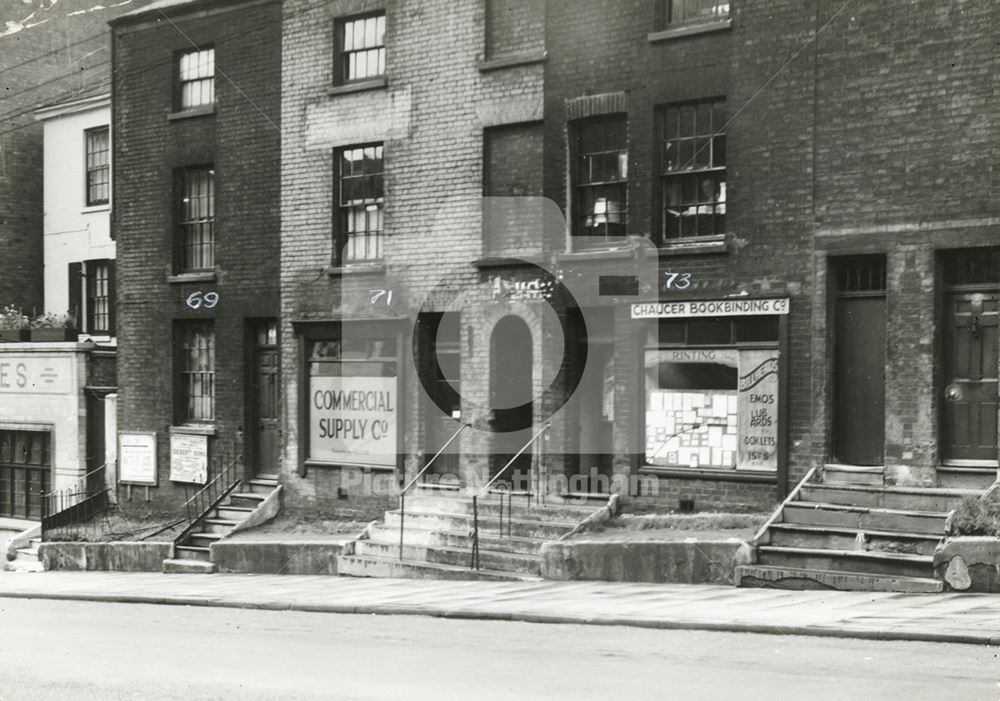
(75,504)
(474,564)
(402,493)
(790,498)
(78,481)
(210,495)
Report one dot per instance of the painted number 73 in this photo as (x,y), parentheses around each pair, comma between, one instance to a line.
(676,281)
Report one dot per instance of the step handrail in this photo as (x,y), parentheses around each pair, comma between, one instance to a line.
(402,493)
(792,495)
(474,564)
(211,495)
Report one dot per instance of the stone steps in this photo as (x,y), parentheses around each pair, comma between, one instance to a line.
(864,517)
(965,477)
(461,557)
(448,539)
(851,474)
(857,561)
(906,498)
(803,536)
(463,523)
(367,566)
(792,578)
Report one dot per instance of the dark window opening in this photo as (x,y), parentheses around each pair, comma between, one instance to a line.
(98,166)
(861,274)
(600,177)
(197,219)
(197,371)
(361,204)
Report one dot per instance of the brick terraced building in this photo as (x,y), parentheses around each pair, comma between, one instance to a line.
(196,117)
(809,185)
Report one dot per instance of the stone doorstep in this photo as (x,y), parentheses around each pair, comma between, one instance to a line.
(188,567)
(366,566)
(777,577)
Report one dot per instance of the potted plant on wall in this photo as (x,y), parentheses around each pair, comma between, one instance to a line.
(53,327)
(13,325)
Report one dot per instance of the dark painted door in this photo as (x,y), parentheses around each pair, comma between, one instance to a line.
(596,416)
(265,390)
(510,396)
(970,378)
(443,414)
(859,379)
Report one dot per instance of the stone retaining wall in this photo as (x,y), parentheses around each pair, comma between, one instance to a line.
(116,557)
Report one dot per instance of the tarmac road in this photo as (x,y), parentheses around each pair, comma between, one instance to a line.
(69,650)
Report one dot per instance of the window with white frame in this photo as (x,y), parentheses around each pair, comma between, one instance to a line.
(196,371)
(693,169)
(197,219)
(600,177)
(196,79)
(361,202)
(98,166)
(361,47)
(683,13)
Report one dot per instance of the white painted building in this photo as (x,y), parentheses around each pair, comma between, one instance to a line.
(79,251)
(57,393)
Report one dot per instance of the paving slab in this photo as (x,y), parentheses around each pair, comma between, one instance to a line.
(966,618)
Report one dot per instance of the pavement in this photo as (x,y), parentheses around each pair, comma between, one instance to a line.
(952,617)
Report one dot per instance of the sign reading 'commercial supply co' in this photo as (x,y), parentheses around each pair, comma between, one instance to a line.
(352,420)
(712,307)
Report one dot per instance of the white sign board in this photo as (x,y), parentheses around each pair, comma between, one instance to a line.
(758,410)
(352,420)
(717,307)
(137,458)
(36,374)
(188,458)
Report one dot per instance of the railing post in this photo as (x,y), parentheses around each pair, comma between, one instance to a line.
(402,516)
(475,533)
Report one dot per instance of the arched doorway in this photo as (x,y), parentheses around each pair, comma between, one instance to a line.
(511,383)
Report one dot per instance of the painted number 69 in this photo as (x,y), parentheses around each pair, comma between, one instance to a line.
(196,300)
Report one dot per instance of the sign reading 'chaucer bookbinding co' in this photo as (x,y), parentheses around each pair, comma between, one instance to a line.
(352,420)
(712,307)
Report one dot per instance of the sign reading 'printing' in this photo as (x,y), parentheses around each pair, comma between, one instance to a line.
(717,307)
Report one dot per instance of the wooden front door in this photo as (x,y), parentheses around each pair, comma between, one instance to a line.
(265,388)
(969,427)
(511,372)
(859,362)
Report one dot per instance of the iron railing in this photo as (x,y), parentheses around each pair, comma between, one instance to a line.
(423,470)
(792,495)
(76,504)
(227,478)
(474,564)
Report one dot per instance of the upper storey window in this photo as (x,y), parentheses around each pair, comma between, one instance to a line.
(693,169)
(196,79)
(98,166)
(600,177)
(361,48)
(683,13)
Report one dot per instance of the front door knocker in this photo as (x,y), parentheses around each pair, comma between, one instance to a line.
(976,329)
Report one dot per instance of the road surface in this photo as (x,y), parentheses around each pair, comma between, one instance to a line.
(65,650)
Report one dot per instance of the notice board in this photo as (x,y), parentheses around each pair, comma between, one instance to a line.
(137,458)
(188,458)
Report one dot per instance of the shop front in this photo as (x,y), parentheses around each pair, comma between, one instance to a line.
(713,389)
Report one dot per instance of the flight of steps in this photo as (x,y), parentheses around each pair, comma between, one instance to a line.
(437,541)
(193,555)
(26,560)
(846,530)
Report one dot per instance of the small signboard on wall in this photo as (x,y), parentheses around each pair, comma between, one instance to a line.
(137,459)
(758,410)
(188,458)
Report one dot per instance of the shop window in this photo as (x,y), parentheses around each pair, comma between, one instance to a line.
(197,219)
(360,53)
(98,184)
(711,401)
(353,401)
(683,13)
(361,204)
(196,79)
(25,472)
(693,170)
(196,376)
(600,177)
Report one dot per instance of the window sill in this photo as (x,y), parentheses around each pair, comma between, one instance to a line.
(180,278)
(191,113)
(358,86)
(341,466)
(90,209)
(612,252)
(373,268)
(194,429)
(526,58)
(501,262)
(690,30)
(694,246)
(696,473)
